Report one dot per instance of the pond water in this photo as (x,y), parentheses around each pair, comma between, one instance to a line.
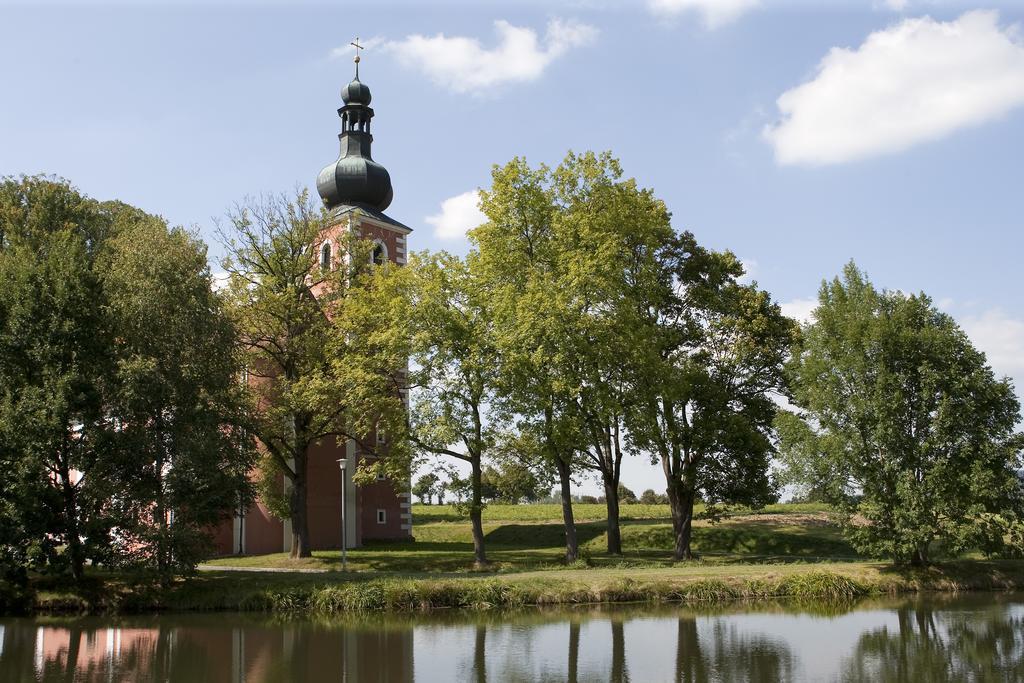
(969,637)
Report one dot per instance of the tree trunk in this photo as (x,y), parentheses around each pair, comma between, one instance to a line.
(574,652)
(680,498)
(75,550)
(920,556)
(611,501)
(476,514)
(160,513)
(619,674)
(74,651)
(299,510)
(572,549)
(689,660)
(480,654)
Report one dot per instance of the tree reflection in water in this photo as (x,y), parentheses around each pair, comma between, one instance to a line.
(936,642)
(729,655)
(966,638)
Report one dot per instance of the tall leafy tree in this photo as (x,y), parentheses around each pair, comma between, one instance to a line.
(703,398)
(612,239)
(178,395)
(457,360)
(575,257)
(118,388)
(56,362)
(518,261)
(906,425)
(325,360)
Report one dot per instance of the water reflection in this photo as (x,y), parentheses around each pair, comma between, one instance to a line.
(956,642)
(968,638)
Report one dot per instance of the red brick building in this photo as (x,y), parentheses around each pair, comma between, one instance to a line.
(356,190)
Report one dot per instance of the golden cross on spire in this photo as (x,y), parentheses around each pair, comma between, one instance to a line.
(358,47)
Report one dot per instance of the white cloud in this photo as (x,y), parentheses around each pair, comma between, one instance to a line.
(462,64)
(896,5)
(714,13)
(1001,337)
(348,49)
(801,310)
(917,81)
(459,214)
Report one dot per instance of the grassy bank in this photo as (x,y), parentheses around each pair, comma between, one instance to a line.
(783,551)
(531,537)
(363,591)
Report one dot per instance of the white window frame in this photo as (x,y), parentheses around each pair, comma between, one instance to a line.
(382,516)
(329,248)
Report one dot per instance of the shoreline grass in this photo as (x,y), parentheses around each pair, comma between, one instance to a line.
(784,551)
(336,593)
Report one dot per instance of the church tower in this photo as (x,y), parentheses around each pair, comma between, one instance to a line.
(356,191)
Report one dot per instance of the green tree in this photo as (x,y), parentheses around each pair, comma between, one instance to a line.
(517,259)
(458,365)
(570,258)
(516,481)
(118,387)
(703,404)
(55,365)
(649,497)
(326,347)
(178,397)
(626,495)
(906,425)
(425,487)
(611,237)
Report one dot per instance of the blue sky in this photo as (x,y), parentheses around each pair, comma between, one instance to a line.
(798,135)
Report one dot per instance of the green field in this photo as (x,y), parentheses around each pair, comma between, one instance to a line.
(530,537)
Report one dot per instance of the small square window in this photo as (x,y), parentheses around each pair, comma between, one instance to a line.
(381,477)
(382,516)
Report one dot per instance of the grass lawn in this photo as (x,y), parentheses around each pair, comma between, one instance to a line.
(783,551)
(530,537)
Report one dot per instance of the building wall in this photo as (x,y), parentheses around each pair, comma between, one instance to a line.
(264,533)
(325,495)
(381,495)
(393,241)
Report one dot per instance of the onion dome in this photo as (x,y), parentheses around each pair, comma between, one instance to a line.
(355,178)
(356,92)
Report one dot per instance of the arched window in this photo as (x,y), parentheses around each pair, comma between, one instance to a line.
(325,256)
(380,253)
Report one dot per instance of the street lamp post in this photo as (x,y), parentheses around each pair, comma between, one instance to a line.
(344,545)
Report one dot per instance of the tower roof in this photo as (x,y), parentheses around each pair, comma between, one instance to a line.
(356,92)
(355,178)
